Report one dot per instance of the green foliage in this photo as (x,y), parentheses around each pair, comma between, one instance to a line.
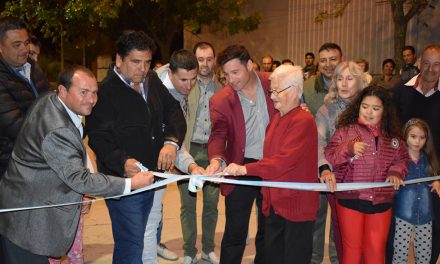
(69,17)
(78,22)
(337,10)
(164,20)
(161,15)
(245,24)
(66,18)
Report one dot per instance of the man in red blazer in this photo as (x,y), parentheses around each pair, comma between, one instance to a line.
(240,113)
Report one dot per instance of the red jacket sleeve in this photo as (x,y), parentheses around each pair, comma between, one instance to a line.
(219,131)
(300,137)
(339,150)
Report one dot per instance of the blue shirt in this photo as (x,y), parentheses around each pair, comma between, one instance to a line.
(413,203)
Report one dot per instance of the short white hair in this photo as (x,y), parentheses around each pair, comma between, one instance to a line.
(286,75)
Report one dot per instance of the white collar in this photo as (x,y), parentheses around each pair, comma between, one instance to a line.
(173,91)
(412,81)
(76,119)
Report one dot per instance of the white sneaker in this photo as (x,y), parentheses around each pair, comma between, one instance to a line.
(165,253)
(211,257)
(189,260)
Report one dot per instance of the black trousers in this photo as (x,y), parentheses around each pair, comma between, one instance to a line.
(390,242)
(238,207)
(287,242)
(13,254)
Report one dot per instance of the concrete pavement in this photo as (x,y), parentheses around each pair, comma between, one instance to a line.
(98,240)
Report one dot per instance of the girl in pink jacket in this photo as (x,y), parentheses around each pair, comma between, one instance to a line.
(366,148)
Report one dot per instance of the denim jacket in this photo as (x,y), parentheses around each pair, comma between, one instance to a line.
(413,202)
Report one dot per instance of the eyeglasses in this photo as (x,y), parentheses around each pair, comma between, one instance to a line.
(276,93)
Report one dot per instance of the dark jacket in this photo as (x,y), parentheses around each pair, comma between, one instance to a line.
(414,202)
(390,157)
(122,125)
(16,96)
(408,71)
(410,104)
(47,167)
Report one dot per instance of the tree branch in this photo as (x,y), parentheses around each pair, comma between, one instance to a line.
(417,6)
(337,10)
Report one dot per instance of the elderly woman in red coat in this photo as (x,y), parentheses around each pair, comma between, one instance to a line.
(366,148)
(289,155)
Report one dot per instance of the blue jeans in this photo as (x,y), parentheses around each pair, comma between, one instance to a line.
(129,217)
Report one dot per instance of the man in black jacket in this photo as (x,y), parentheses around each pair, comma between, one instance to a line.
(21,82)
(135,120)
(420,98)
(410,69)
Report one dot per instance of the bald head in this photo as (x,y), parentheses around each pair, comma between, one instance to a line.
(430,65)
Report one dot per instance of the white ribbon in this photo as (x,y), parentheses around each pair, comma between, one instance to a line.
(303,186)
(196,183)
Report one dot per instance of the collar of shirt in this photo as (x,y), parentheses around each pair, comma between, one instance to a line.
(169,85)
(24,70)
(415,82)
(259,87)
(203,83)
(126,81)
(326,81)
(76,119)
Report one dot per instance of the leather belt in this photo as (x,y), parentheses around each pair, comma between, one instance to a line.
(200,145)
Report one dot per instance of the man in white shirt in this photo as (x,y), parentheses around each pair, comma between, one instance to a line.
(180,77)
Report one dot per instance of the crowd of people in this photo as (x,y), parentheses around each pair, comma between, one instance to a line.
(218,114)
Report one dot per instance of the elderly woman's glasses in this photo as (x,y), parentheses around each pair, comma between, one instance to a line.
(276,93)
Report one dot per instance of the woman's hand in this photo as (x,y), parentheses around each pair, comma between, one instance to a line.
(329,178)
(235,170)
(396,181)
